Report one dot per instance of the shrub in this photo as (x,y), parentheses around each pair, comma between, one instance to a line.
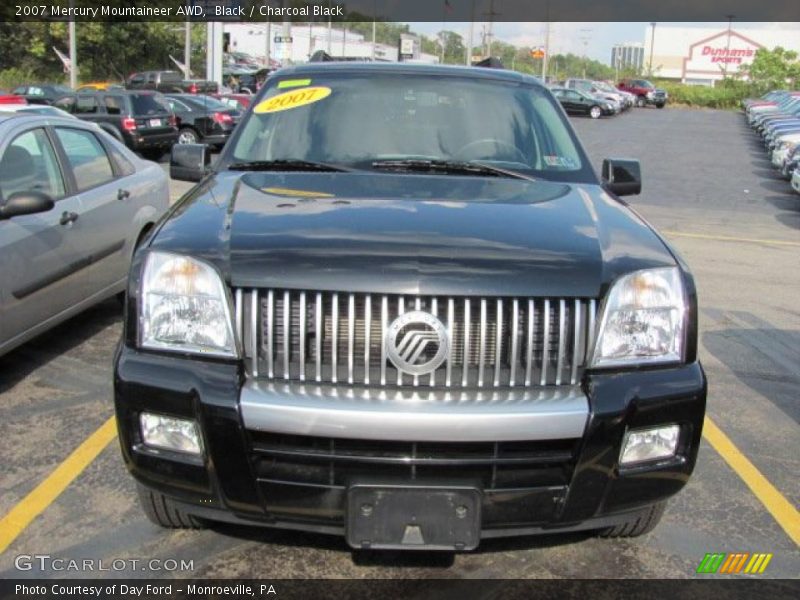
(11,78)
(726,94)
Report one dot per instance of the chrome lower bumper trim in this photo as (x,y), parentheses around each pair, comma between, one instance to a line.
(414,414)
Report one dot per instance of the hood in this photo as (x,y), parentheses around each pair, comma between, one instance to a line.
(412,234)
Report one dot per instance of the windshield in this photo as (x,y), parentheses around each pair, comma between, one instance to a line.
(355,120)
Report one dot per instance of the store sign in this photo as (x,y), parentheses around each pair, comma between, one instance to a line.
(724,52)
(728,55)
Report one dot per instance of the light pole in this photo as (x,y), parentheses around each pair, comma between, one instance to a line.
(728,47)
(652,43)
(73,52)
(546,56)
(187,49)
(585,39)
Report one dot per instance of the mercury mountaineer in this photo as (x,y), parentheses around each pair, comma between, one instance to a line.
(401,307)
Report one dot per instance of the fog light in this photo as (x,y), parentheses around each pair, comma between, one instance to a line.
(170,433)
(642,445)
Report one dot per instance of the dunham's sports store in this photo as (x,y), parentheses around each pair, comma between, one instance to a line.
(702,56)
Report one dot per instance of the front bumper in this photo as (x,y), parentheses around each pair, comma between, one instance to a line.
(263,443)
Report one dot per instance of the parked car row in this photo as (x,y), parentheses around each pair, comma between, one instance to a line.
(150,122)
(776,118)
(594,99)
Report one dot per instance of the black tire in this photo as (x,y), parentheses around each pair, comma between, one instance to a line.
(641,101)
(187,135)
(644,523)
(660,105)
(161,511)
(595,112)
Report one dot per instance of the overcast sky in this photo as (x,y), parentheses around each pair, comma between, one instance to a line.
(567,37)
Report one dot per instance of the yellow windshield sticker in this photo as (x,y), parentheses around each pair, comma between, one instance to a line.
(293,99)
(290,83)
(278,191)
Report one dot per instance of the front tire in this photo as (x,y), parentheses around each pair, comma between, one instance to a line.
(595,112)
(161,511)
(188,136)
(643,523)
(660,105)
(641,101)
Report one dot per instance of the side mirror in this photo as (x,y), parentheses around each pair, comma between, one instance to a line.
(26,203)
(189,162)
(622,176)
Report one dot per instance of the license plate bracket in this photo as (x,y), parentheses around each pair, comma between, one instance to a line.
(406,517)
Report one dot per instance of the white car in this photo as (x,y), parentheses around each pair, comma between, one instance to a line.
(796,180)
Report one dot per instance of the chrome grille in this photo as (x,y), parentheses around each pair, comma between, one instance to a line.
(337,337)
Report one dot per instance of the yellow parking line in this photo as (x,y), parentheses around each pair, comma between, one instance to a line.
(781,509)
(728,238)
(32,505)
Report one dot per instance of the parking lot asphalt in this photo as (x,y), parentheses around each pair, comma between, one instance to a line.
(708,187)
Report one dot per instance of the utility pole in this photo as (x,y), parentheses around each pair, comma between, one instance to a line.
(187,50)
(73,51)
(330,29)
(374,26)
(546,56)
(652,43)
(269,44)
(488,35)
(468,53)
(73,56)
(286,35)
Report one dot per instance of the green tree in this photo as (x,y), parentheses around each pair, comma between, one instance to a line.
(454,48)
(772,69)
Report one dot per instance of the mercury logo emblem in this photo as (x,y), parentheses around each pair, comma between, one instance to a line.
(416,342)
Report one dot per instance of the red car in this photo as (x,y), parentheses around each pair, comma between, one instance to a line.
(645,92)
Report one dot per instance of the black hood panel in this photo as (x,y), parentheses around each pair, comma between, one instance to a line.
(419,234)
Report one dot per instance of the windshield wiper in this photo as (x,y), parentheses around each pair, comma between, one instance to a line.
(455,167)
(286,164)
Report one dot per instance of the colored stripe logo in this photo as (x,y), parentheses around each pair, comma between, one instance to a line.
(734,563)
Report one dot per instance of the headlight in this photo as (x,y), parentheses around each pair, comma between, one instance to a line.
(184,307)
(650,94)
(641,321)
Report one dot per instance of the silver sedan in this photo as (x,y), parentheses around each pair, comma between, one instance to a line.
(74,203)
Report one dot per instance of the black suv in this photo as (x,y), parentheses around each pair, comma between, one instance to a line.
(402,307)
(142,120)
